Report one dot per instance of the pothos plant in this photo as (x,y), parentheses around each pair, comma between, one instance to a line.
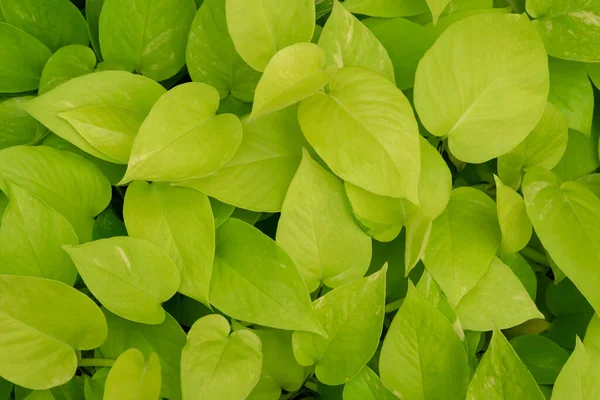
(300,199)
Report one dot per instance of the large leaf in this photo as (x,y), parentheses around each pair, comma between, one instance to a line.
(146,36)
(132,377)
(365,130)
(260,28)
(347,42)
(580,377)
(501,375)
(542,356)
(422,356)
(100,113)
(254,280)
(67,182)
(166,340)
(16,126)
(32,235)
(314,207)
(218,365)
(366,386)
(23,58)
(570,29)
(182,138)
(42,323)
(67,63)
(211,57)
(514,223)
(293,74)
(352,316)
(258,176)
(56,23)
(477,93)
(464,240)
(566,218)
(179,220)
(386,8)
(130,277)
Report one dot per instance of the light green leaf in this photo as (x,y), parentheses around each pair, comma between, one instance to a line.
(592,335)
(67,63)
(437,7)
(522,270)
(16,126)
(218,365)
(352,316)
(40,395)
(580,377)
(463,241)
(592,182)
(581,155)
(314,207)
(347,42)
(261,28)
(100,113)
(259,174)
(571,91)
(514,223)
(23,58)
(478,96)
(146,36)
(457,11)
(166,340)
(542,356)
(570,29)
(366,386)
(370,137)
(293,74)
(42,323)
(221,211)
(501,375)
(31,235)
(179,220)
(419,349)
(211,57)
(132,377)
(182,138)
(386,8)
(55,23)
(566,218)
(92,16)
(418,233)
(267,288)
(543,147)
(431,291)
(497,300)
(64,181)
(127,268)
(265,389)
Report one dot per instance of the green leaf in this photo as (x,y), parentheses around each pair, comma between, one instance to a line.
(522,270)
(108,225)
(542,356)
(514,223)
(43,323)
(124,268)
(251,217)
(211,57)
(132,377)
(580,157)
(182,138)
(261,28)
(67,63)
(418,233)
(179,220)
(92,16)
(432,292)
(417,351)
(268,288)
(502,375)
(221,211)
(570,29)
(293,74)
(23,58)
(437,7)
(485,102)
(580,377)
(352,316)
(259,174)
(94,386)
(366,386)
(386,8)
(218,365)
(146,36)
(55,23)
(64,181)
(463,241)
(100,113)
(497,300)
(31,235)
(40,395)
(347,42)
(543,147)
(6,388)
(370,137)
(314,207)
(594,72)
(166,340)
(592,335)
(566,218)
(16,126)
(265,389)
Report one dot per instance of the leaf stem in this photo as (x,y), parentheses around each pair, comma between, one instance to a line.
(95,362)
(534,256)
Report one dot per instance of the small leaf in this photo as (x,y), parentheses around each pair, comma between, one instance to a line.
(366,386)
(132,377)
(221,211)
(386,8)
(67,63)
(437,7)
(514,223)
(92,16)
(580,377)
(580,157)
(16,126)
(542,356)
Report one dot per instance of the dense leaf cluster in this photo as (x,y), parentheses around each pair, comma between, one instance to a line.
(299,199)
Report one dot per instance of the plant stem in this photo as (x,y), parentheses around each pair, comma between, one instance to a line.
(95,362)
